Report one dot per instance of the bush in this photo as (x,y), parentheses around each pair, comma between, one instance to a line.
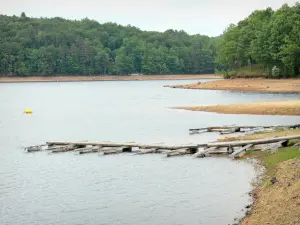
(275,72)
(226,76)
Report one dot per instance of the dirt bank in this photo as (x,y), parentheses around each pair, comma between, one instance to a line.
(278,203)
(289,108)
(251,85)
(105,78)
(276,199)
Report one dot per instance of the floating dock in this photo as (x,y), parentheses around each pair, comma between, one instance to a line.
(235,149)
(237,129)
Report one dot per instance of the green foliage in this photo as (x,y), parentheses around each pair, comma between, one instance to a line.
(252,71)
(266,38)
(42,46)
(270,160)
(282,155)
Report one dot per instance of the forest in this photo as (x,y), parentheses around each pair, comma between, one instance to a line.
(265,43)
(42,46)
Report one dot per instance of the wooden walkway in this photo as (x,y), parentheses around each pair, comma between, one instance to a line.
(236,129)
(235,149)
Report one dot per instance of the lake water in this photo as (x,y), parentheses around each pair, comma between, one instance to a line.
(70,189)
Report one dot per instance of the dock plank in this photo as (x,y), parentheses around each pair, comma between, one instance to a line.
(240,152)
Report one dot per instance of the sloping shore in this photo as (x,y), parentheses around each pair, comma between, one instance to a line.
(105,78)
(277,200)
(288,108)
(251,85)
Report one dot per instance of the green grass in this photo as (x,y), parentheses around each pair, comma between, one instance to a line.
(293,142)
(282,155)
(270,161)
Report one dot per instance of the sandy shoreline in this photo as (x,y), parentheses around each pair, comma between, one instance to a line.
(289,108)
(276,198)
(251,85)
(105,78)
(277,203)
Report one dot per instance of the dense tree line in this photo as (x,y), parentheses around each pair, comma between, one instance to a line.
(43,46)
(267,38)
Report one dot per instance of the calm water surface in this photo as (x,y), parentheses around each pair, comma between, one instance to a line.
(70,189)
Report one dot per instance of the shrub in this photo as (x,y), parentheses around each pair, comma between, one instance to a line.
(275,72)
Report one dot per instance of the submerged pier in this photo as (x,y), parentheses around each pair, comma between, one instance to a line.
(235,149)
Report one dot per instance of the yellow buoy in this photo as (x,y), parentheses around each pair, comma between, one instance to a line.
(28,111)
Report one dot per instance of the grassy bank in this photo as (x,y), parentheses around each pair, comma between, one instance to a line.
(254,71)
(270,161)
(277,198)
(4,79)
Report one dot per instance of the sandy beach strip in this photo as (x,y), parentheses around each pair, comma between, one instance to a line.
(289,108)
(249,85)
(5,79)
